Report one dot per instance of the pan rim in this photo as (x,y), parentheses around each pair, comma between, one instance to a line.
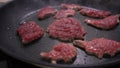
(44,64)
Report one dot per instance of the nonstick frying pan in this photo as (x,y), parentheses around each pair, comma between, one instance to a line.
(17,12)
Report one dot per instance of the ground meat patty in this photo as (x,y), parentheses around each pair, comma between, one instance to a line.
(30,31)
(95,12)
(99,46)
(61,51)
(46,12)
(106,23)
(66,29)
(64,13)
(71,6)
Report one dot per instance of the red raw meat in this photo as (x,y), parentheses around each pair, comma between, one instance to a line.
(61,51)
(71,6)
(46,12)
(106,23)
(66,29)
(64,13)
(95,12)
(30,31)
(99,46)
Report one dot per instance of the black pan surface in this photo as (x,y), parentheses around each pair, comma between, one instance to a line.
(17,12)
